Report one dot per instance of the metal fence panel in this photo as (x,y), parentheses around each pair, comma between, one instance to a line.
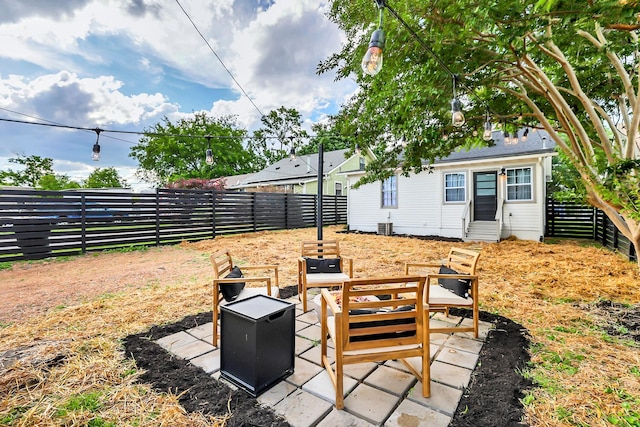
(36,224)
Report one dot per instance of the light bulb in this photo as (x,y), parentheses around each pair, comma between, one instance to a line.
(209,156)
(457,118)
(487,135)
(525,134)
(95,154)
(372,60)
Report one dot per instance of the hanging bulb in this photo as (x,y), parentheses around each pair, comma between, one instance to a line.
(507,139)
(457,118)
(358,150)
(95,152)
(475,132)
(372,59)
(487,135)
(209,156)
(525,134)
(445,137)
(292,154)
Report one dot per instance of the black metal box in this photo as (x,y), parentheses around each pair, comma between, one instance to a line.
(257,342)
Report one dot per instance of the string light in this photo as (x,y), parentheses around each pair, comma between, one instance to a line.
(457,118)
(95,153)
(209,153)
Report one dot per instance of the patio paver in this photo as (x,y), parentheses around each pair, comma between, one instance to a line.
(382,394)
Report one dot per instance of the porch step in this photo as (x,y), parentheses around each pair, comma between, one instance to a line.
(482,231)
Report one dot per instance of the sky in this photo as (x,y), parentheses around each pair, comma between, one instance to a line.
(125,64)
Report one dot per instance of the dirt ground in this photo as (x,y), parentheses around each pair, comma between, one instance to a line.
(491,400)
(29,290)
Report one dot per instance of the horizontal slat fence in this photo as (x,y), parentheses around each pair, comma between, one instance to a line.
(38,224)
(585,222)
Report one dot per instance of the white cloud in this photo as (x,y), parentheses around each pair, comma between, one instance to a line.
(114,63)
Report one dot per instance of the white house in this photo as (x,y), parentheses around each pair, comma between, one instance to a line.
(484,194)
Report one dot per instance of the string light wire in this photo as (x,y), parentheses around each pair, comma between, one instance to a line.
(219,59)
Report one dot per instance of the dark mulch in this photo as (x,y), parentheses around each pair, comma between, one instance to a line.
(492,398)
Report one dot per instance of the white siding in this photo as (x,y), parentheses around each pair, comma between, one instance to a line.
(422,211)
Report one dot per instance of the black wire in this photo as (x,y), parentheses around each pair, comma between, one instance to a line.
(54,123)
(219,59)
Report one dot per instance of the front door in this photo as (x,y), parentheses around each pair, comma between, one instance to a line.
(485,196)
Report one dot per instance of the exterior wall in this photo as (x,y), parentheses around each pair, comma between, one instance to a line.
(422,210)
(330,180)
(525,220)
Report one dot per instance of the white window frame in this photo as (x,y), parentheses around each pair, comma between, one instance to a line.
(513,183)
(389,192)
(337,188)
(463,187)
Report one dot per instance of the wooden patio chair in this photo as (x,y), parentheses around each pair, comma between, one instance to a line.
(455,284)
(366,327)
(321,265)
(229,283)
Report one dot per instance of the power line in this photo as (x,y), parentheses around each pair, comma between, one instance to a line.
(219,59)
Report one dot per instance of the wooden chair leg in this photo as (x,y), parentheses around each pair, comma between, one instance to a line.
(304,298)
(339,385)
(215,312)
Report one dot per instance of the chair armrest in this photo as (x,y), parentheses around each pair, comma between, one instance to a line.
(330,301)
(273,267)
(260,267)
(452,276)
(223,281)
(409,265)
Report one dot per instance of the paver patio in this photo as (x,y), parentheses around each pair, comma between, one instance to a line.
(383,394)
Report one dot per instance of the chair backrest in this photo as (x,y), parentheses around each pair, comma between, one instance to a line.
(321,248)
(222,263)
(464,261)
(381,313)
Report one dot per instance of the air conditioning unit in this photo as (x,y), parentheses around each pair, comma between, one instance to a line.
(385,228)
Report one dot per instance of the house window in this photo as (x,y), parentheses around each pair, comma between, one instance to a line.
(362,163)
(519,184)
(454,187)
(338,188)
(390,192)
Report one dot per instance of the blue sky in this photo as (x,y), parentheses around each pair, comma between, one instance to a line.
(125,64)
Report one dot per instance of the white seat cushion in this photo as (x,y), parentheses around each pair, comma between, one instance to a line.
(250,292)
(326,278)
(441,296)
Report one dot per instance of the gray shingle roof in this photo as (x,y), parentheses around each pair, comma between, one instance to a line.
(302,168)
(537,142)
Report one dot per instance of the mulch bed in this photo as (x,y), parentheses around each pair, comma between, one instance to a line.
(492,397)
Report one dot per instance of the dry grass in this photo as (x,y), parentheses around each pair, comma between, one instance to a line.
(71,368)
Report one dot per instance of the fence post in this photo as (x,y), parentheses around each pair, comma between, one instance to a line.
(157,217)
(550,217)
(253,211)
(83,223)
(213,212)
(286,211)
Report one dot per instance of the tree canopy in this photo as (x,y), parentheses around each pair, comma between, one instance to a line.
(105,178)
(171,151)
(569,67)
(33,169)
(281,132)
